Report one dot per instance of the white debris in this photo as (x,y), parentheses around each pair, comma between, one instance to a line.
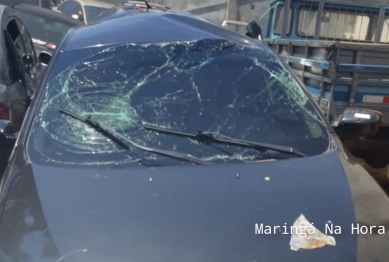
(306,236)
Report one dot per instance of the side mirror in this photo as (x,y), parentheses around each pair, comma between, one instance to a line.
(44,58)
(354,122)
(254,30)
(7,129)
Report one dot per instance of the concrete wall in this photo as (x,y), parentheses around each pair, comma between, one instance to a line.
(216,10)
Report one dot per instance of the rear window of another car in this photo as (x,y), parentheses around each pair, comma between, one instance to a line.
(94,12)
(44,29)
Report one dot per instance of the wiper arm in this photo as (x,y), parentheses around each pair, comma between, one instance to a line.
(211,137)
(119,140)
(97,126)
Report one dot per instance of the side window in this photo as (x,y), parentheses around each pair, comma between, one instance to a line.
(385,31)
(279,19)
(306,22)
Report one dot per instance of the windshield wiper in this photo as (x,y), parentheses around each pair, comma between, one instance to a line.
(119,140)
(211,137)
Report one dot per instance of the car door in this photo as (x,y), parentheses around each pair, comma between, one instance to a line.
(18,76)
(32,64)
(72,8)
(21,47)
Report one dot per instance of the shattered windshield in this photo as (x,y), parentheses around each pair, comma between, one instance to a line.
(206,85)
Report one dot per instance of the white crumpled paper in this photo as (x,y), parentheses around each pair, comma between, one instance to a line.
(306,236)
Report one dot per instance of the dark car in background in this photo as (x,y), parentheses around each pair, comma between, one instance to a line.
(83,10)
(163,137)
(12,3)
(20,72)
(42,3)
(46,27)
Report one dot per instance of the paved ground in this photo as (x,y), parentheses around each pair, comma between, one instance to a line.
(371,209)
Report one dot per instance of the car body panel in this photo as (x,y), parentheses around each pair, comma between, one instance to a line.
(197,213)
(201,213)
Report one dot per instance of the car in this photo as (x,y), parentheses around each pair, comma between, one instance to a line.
(21,71)
(12,3)
(46,27)
(84,10)
(161,136)
(42,3)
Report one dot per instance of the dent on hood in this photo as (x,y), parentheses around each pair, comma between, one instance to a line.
(104,86)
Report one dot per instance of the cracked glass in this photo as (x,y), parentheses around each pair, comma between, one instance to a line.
(211,85)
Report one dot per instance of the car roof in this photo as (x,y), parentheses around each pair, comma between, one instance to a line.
(152,26)
(44,12)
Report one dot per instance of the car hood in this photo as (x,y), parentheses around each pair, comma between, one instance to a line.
(181,213)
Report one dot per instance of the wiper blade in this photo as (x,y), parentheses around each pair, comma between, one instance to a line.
(211,137)
(119,140)
(98,127)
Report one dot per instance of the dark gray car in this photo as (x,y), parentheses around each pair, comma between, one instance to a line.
(173,139)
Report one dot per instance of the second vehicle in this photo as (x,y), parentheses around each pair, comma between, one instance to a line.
(83,10)
(46,27)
